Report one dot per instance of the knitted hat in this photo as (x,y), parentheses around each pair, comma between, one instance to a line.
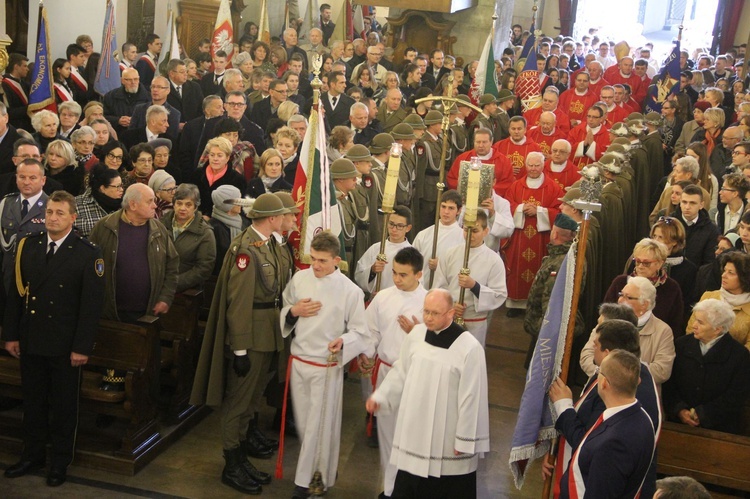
(702,105)
(222,194)
(160,178)
(161,143)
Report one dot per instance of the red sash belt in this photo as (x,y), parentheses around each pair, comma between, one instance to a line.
(374,379)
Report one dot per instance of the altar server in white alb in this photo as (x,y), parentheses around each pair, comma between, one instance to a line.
(438,385)
(391,316)
(485,284)
(326,312)
(368,267)
(450,234)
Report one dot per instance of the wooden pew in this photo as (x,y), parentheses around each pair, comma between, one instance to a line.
(129,347)
(181,341)
(708,456)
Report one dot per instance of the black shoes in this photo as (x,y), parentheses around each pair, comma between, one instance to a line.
(257,475)
(253,448)
(255,435)
(235,473)
(300,493)
(56,477)
(22,468)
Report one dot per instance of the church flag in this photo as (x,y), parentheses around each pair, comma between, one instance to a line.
(340,31)
(535,427)
(42,94)
(264,29)
(666,83)
(108,72)
(528,87)
(311,19)
(314,191)
(485,78)
(171,48)
(358,22)
(223,37)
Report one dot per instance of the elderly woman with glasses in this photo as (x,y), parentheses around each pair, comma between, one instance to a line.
(649,259)
(711,373)
(193,238)
(60,162)
(734,291)
(83,141)
(142,157)
(103,196)
(164,187)
(655,336)
(671,233)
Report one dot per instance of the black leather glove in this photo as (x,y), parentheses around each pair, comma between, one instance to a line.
(241,365)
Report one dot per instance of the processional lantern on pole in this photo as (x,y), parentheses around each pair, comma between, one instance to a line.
(389,201)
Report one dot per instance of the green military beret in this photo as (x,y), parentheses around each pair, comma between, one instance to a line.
(563,221)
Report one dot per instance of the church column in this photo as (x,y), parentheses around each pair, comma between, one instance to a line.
(4,39)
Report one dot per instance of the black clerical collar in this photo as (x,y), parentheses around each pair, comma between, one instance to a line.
(446,337)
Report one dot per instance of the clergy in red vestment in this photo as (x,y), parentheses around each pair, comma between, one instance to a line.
(620,98)
(596,81)
(591,139)
(641,71)
(484,151)
(577,100)
(546,133)
(550,100)
(615,113)
(559,167)
(623,74)
(517,146)
(534,204)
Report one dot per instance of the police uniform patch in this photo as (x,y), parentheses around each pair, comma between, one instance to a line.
(242,261)
(99,267)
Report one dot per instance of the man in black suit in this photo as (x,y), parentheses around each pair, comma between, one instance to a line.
(50,322)
(157,124)
(16,91)
(428,80)
(436,67)
(335,102)
(267,108)
(120,102)
(290,42)
(159,92)
(8,135)
(185,96)
(24,149)
(211,82)
(359,121)
(212,107)
(615,454)
(326,25)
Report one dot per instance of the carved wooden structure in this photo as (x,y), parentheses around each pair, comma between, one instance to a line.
(423,30)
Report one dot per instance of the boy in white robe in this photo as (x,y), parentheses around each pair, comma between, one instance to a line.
(450,234)
(390,318)
(438,385)
(499,220)
(326,312)
(368,266)
(485,284)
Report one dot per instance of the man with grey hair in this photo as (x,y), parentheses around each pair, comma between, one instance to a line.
(377,70)
(299,124)
(392,113)
(437,461)
(359,121)
(141,260)
(160,89)
(156,126)
(534,200)
(290,42)
(120,102)
(212,107)
(315,47)
(232,81)
(184,95)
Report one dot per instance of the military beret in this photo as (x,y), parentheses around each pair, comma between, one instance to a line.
(288,201)
(267,205)
(433,116)
(381,143)
(563,221)
(358,152)
(403,131)
(415,121)
(343,168)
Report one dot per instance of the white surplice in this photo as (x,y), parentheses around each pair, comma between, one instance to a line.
(488,269)
(441,398)
(387,337)
(362,274)
(342,315)
(448,237)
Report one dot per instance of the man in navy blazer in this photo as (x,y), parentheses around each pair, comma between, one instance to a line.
(574,421)
(614,456)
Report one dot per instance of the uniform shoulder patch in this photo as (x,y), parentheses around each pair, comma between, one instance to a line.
(99,267)
(242,261)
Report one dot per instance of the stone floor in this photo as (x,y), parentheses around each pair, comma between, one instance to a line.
(192,466)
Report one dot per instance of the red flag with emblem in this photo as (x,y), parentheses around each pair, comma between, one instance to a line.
(223,37)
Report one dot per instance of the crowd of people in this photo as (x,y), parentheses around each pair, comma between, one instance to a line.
(149,181)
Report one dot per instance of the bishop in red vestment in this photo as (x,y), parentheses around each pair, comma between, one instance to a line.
(484,151)
(517,147)
(623,73)
(534,204)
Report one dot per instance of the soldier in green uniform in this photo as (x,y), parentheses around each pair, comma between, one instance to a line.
(458,133)
(505,102)
(391,113)
(561,237)
(345,175)
(417,124)
(243,329)
(365,197)
(487,118)
(429,152)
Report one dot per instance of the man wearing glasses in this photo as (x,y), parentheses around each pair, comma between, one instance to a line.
(266,109)
(590,139)
(159,93)
(740,157)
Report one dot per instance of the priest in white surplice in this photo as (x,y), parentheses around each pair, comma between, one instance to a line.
(391,316)
(485,284)
(369,266)
(450,234)
(439,388)
(326,312)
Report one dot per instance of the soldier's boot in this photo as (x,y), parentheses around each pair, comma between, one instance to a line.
(253,430)
(235,475)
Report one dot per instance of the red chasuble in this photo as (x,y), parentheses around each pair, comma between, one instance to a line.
(617,115)
(596,88)
(562,123)
(528,245)
(614,77)
(569,176)
(517,153)
(503,171)
(577,105)
(578,135)
(545,141)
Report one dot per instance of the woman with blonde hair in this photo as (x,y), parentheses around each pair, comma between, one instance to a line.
(60,163)
(278,59)
(217,172)
(286,110)
(270,175)
(705,178)
(286,140)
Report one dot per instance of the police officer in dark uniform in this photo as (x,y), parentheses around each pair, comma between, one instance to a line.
(50,322)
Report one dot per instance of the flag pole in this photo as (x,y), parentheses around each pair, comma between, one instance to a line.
(591,189)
